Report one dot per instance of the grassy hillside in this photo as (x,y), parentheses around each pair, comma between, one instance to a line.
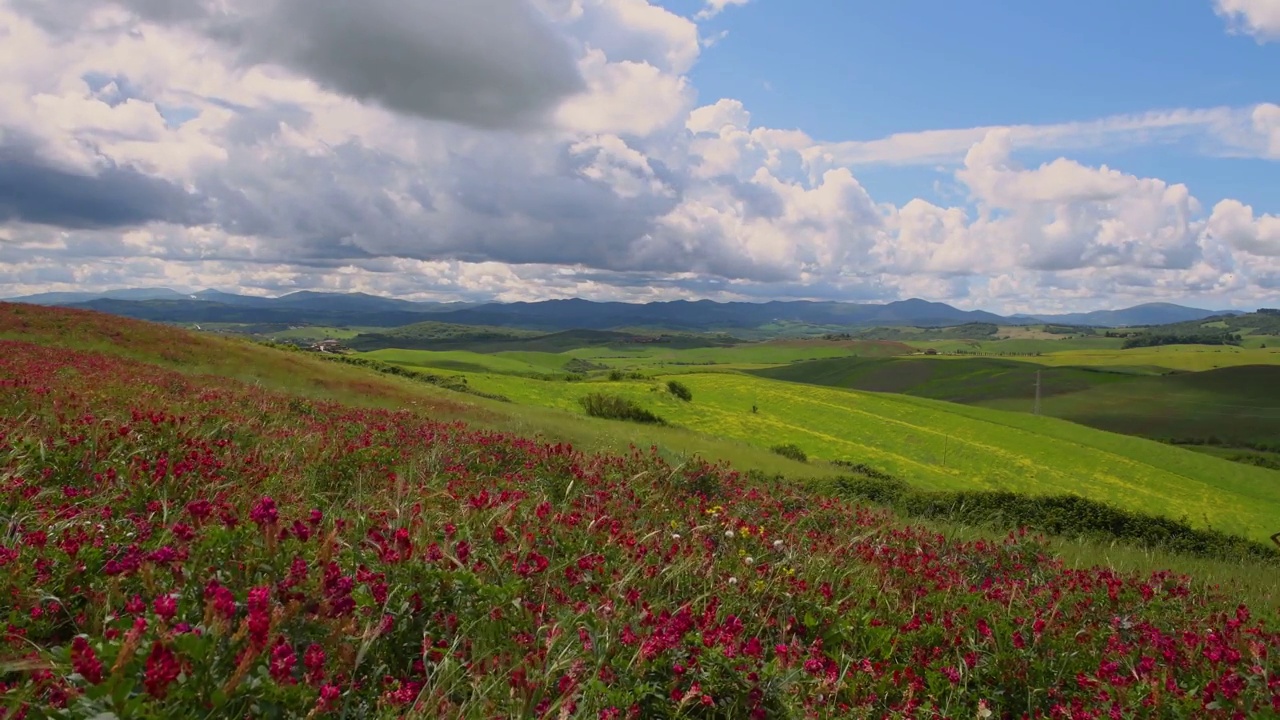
(188,546)
(311,376)
(1190,358)
(963,380)
(942,445)
(632,357)
(1234,406)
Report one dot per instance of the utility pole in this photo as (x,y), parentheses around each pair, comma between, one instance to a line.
(1037,410)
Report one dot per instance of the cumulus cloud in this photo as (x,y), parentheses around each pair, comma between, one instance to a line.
(1064,215)
(164,144)
(715,7)
(488,63)
(1259,18)
(1233,222)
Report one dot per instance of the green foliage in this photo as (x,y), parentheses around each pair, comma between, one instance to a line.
(791,450)
(621,375)
(680,390)
(578,366)
(1163,338)
(967,331)
(614,407)
(1062,515)
(1068,330)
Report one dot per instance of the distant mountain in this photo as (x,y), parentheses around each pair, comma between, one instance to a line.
(321,308)
(703,315)
(67,298)
(207,306)
(1148,314)
(352,302)
(224,298)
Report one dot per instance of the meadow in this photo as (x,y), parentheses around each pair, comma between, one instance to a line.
(186,545)
(1233,406)
(1189,358)
(946,446)
(645,358)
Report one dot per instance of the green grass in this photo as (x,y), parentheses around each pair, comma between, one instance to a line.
(1236,405)
(652,358)
(947,446)
(965,380)
(1019,346)
(464,361)
(319,333)
(1191,358)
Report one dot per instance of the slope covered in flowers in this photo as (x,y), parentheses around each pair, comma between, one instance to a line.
(177,546)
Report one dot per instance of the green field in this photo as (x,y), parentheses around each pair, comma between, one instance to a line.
(947,446)
(1191,358)
(1234,406)
(633,357)
(316,333)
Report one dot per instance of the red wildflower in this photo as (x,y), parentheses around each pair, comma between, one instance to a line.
(313,660)
(264,513)
(161,670)
(329,695)
(283,660)
(165,606)
(85,661)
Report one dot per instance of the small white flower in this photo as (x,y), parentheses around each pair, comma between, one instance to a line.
(749,560)
(728,533)
(777,544)
(733,581)
(675,536)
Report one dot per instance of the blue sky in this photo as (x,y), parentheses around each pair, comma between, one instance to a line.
(845,70)
(1017,157)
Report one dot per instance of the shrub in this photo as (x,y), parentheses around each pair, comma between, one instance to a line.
(791,450)
(680,390)
(612,407)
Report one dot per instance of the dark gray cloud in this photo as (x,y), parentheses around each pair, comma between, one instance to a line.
(490,63)
(35,192)
(484,63)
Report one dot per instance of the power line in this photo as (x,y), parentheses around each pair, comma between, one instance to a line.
(1037,410)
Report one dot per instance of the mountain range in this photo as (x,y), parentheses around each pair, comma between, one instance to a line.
(319,308)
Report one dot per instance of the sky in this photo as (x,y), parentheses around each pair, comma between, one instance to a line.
(1015,157)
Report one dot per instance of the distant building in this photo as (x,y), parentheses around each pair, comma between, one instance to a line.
(327,346)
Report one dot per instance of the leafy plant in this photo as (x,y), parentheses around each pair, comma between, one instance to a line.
(680,390)
(614,407)
(791,450)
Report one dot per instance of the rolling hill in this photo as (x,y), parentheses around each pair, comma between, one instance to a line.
(1146,314)
(943,445)
(1233,408)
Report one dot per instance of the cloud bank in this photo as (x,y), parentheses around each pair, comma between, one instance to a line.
(513,150)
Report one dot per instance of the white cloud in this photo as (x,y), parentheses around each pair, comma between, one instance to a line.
(1259,18)
(1226,130)
(625,97)
(1233,223)
(166,158)
(715,7)
(1064,215)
